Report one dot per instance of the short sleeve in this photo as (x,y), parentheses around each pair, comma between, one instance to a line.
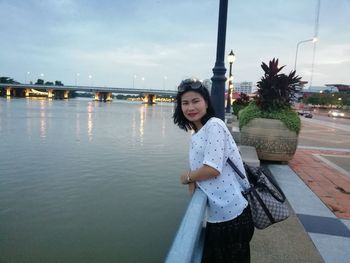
(215,147)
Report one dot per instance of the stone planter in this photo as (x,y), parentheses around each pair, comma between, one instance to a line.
(271,138)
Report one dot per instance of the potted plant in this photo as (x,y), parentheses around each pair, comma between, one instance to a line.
(269,123)
(240,103)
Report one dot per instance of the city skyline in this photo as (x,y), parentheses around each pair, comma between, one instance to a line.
(162,42)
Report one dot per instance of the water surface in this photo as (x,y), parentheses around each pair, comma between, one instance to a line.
(84,181)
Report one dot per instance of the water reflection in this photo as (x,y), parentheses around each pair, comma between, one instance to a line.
(90,110)
(142,121)
(77,126)
(133,127)
(42,119)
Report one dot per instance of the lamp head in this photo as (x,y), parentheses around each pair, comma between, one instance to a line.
(231,57)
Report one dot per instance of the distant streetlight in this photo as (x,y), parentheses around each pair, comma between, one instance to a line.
(164,80)
(76,78)
(42,77)
(231,59)
(143,82)
(315,39)
(25,80)
(90,77)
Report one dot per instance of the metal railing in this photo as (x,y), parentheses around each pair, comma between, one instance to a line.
(188,244)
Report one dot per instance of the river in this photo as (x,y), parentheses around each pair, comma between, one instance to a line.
(85,181)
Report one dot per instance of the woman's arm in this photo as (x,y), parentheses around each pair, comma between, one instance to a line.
(204,173)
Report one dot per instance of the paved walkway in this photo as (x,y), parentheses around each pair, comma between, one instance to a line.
(316,183)
(322,172)
(318,191)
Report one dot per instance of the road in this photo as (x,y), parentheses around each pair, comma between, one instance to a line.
(327,133)
(323,131)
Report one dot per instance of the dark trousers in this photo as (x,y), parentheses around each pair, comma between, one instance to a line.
(229,241)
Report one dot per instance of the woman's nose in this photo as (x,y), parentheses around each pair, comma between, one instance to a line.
(190,106)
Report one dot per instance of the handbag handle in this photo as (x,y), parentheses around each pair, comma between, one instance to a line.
(235,168)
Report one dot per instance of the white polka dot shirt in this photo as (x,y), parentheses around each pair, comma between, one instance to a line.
(212,145)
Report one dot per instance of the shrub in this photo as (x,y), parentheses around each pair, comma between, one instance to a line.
(289,117)
(240,103)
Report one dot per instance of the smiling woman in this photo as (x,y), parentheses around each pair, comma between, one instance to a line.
(229,224)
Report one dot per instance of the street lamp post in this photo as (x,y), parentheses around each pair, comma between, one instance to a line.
(133,81)
(76,78)
(219,70)
(143,82)
(164,80)
(90,77)
(42,77)
(25,81)
(231,59)
(296,52)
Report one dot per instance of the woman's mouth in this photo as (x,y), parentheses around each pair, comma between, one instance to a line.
(192,114)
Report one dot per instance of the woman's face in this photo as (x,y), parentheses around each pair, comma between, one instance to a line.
(194,107)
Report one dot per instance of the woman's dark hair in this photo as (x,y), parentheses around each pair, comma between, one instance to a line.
(196,86)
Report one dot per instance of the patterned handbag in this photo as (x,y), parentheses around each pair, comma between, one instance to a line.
(265,197)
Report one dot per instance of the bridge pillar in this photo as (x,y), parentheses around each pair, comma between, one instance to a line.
(50,93)
(97,96)
(149,99)
(27,92)
(61,94)
(8,91)
(66,94)
(103,96)
(109,96)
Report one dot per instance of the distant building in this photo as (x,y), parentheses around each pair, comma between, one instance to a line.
(244,87)
(340,87)
(321,89)
(327,89)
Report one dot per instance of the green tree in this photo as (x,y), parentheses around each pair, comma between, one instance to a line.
(39,82)
(8,80)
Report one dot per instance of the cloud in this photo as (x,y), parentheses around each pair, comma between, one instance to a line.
(114,40)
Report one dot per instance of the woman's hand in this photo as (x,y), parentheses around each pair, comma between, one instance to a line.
(184,178)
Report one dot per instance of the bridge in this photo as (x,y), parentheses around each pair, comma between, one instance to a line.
(63,92)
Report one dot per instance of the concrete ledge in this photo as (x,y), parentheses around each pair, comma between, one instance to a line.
(249,155)
(229,118)
(234,130)
(236,134)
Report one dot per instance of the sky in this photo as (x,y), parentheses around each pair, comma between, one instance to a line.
(157,43)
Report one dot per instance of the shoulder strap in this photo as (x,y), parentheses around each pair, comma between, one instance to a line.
(229,161)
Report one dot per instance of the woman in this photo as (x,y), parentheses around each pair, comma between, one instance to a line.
(229,224)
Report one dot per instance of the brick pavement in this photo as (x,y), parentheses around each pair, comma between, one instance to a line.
(328,183)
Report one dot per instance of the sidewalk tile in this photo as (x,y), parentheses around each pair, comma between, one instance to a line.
(330,185)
